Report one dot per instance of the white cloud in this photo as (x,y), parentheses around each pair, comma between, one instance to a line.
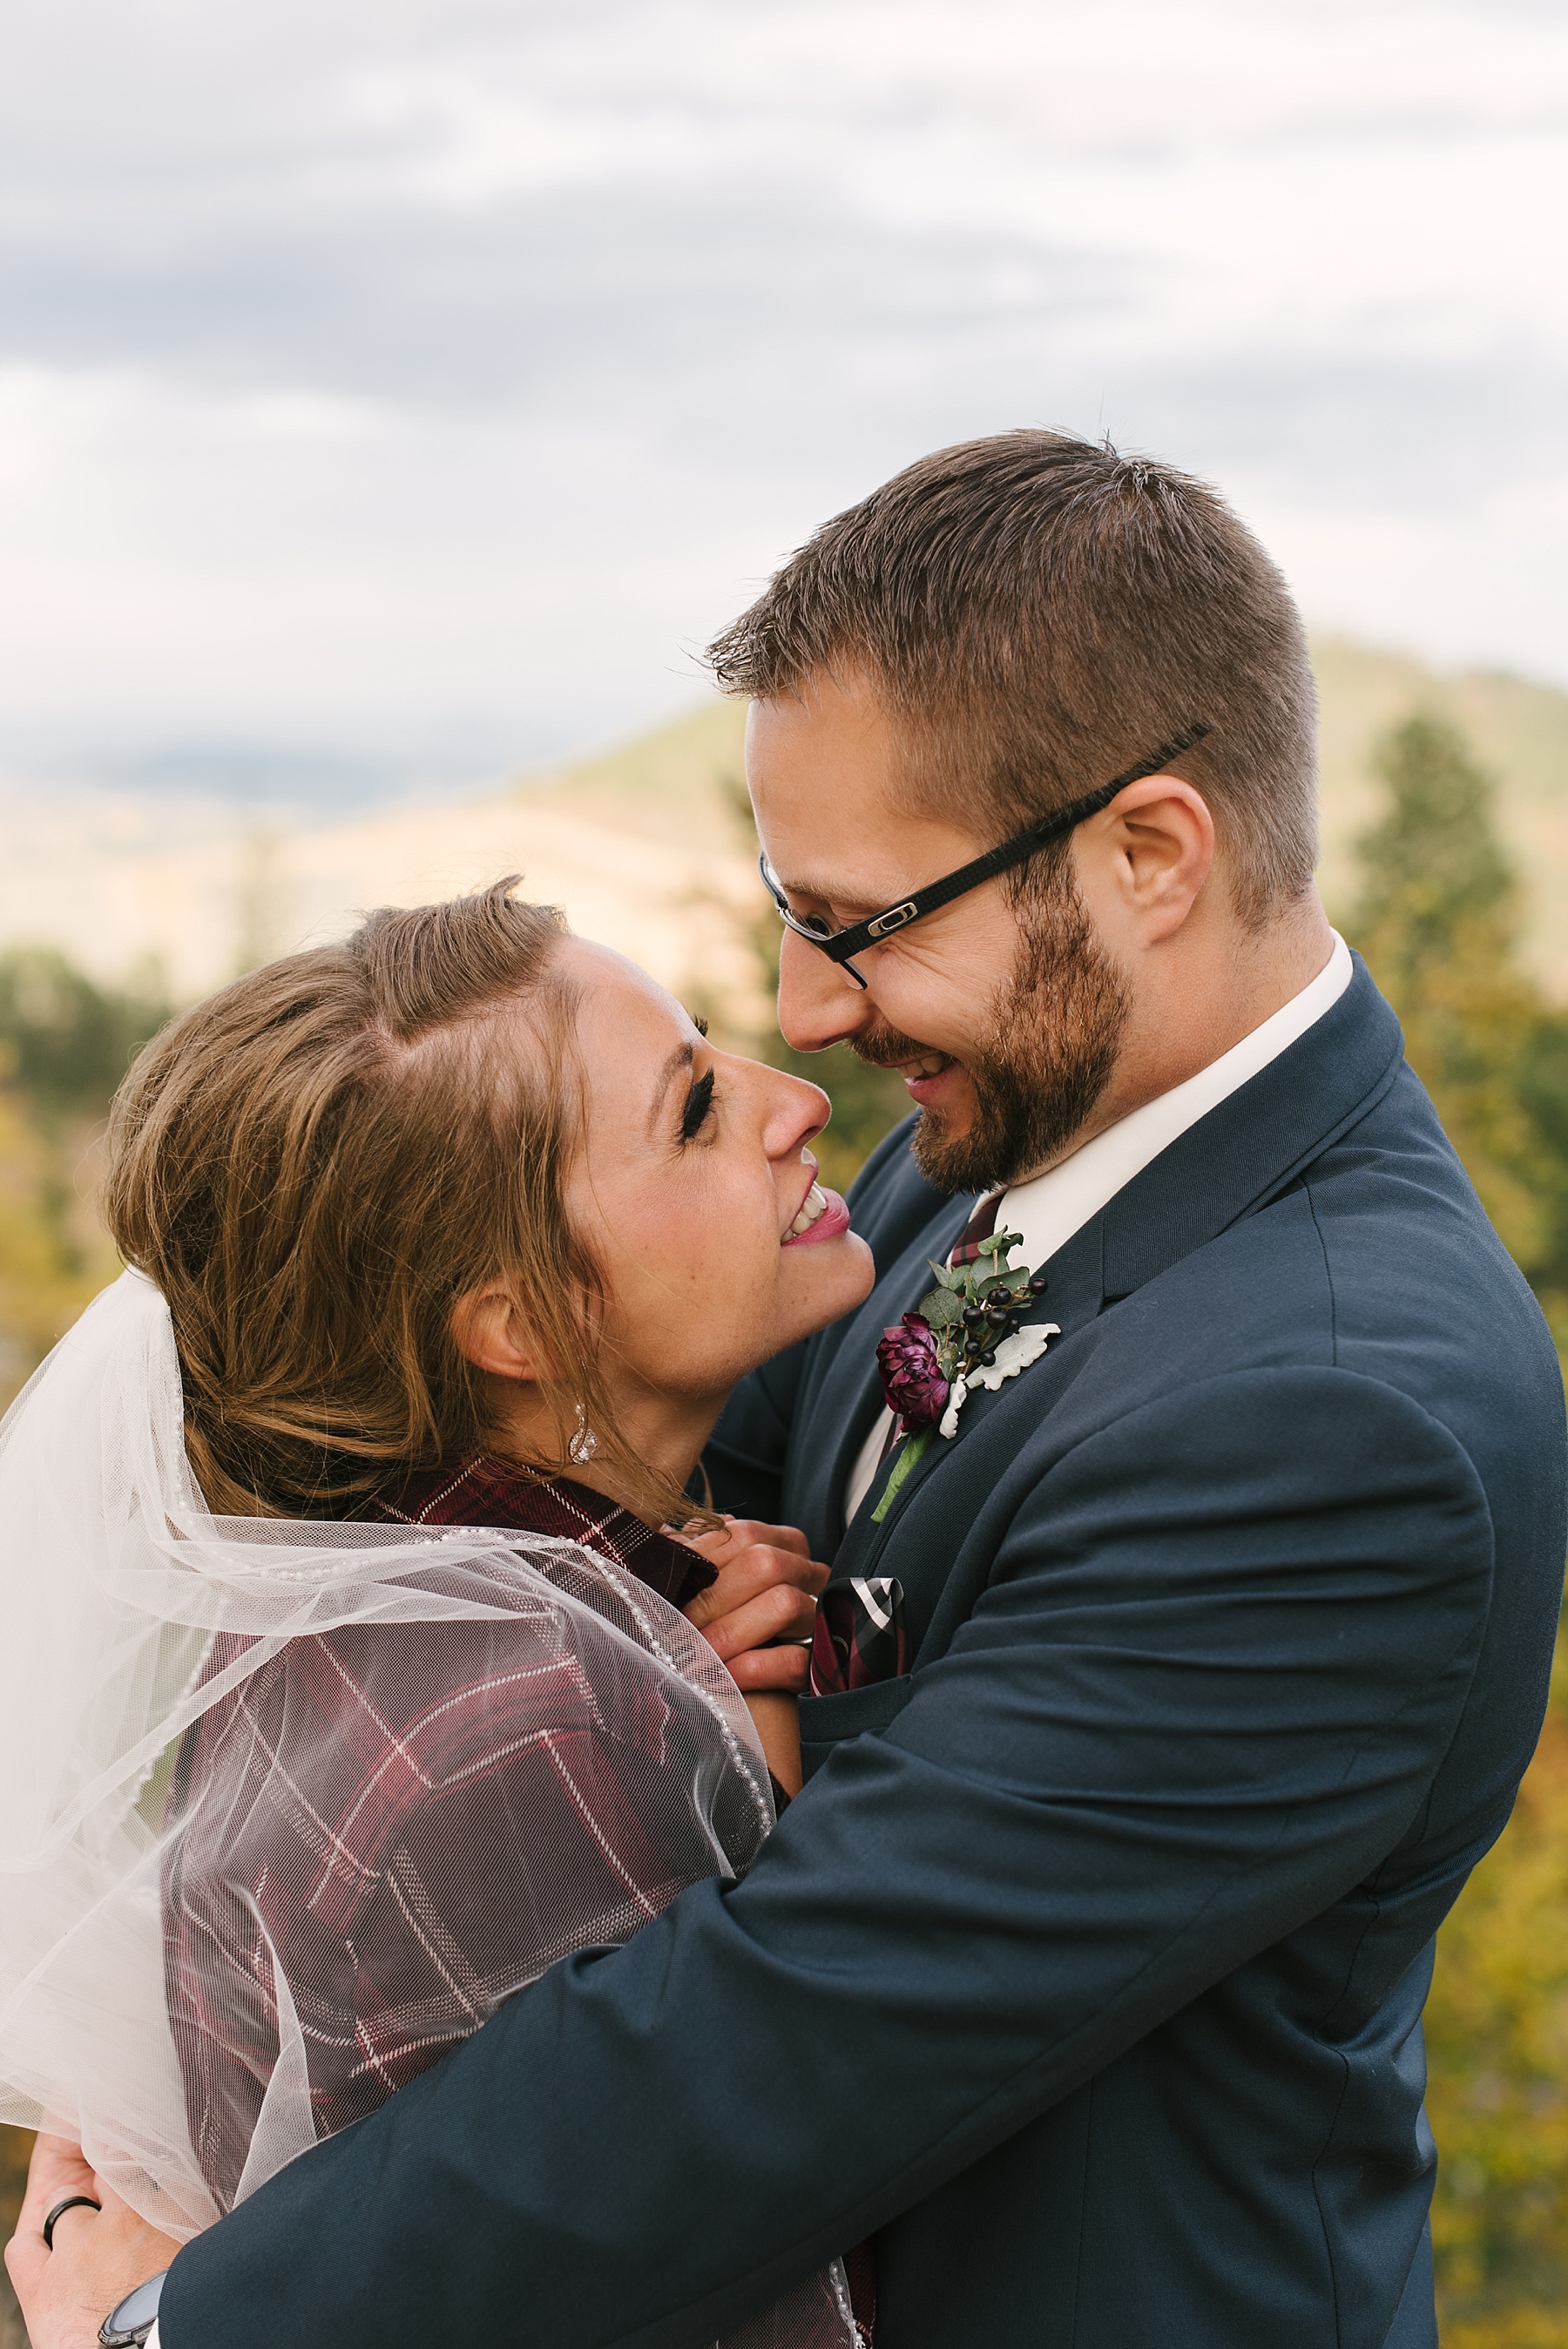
(444,373)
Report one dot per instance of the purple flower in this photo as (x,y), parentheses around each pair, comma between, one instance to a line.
(910,1375)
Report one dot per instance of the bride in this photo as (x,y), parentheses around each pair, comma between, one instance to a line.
(349,1676)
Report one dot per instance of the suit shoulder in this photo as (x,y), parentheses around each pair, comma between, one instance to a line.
(1413,1262)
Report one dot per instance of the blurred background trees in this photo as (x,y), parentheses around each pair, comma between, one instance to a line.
(64,1044)
(1438,921)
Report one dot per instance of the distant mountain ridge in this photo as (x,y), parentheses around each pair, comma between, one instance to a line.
(642,844)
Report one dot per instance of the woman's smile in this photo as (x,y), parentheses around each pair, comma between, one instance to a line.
(692,1161)
(824,1217)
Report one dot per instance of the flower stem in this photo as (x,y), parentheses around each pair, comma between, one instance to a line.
(910,1452)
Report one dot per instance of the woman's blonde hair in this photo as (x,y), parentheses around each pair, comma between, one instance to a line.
(316,1163)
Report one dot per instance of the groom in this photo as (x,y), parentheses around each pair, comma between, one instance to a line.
(1085,1977)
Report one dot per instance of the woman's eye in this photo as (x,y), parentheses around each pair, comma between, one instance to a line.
(699,1103)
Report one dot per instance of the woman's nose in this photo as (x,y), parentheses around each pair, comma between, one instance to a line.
(795,1110)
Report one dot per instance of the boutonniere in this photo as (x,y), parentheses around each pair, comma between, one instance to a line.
(969,1333)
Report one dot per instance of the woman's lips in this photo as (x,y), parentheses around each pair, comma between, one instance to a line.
(830,1221)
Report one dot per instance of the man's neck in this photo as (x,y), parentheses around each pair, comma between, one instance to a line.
(1195,998)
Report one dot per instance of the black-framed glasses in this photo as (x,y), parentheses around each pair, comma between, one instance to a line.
(840,945)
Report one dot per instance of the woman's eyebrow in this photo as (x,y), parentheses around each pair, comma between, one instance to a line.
(681,1058)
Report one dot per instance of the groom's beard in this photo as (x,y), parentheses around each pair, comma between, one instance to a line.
(1043,1059)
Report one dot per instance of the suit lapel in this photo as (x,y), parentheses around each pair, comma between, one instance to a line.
(1072,1302)
(1255,1143)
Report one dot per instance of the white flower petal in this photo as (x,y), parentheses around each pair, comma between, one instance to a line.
(949,1423)
(1015,1353)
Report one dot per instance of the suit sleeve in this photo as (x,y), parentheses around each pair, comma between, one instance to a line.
(1199,1700)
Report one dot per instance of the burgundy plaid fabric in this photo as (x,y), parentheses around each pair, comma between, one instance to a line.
(980,1226)
(859,1635)
(413,1805)
(492,1492)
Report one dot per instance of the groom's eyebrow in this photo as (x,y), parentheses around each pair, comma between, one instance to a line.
(681,1058)
(827,892)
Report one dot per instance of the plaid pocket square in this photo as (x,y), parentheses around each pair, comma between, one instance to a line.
(859,1636)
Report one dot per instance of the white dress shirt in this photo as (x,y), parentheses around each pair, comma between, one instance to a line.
(1055,1205)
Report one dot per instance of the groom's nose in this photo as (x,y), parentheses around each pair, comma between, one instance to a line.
(819,1004)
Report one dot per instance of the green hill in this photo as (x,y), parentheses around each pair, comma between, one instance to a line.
(670,785)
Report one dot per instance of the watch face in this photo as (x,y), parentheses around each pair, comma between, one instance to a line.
(132,2320)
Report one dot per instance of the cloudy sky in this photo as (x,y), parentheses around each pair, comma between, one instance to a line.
(410,386)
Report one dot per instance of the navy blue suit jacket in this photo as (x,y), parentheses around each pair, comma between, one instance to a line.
(1087,1970)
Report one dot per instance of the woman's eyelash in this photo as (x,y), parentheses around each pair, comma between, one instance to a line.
(699,1101)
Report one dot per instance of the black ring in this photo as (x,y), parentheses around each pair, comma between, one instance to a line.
(71,2202)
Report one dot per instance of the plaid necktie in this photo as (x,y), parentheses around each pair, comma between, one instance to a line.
(980,1226)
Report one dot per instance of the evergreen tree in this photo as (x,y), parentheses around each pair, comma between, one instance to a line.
(1437,921)
(66,1042)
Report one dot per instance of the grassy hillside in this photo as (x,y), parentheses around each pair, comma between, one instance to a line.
(669,785)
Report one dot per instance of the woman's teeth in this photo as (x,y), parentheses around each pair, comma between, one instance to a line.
(816,1203)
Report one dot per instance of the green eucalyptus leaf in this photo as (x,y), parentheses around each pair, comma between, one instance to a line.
(1000,1242)
(942,1309)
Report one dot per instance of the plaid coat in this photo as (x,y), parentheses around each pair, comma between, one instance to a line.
(408,1821)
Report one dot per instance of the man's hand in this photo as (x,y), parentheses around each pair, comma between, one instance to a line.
(767,1590)
(98,2255)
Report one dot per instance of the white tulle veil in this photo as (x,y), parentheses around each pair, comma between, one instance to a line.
(117,1582)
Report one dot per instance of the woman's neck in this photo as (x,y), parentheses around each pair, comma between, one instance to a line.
(665,1433)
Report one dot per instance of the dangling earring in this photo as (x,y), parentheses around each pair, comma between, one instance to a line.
(584,1444)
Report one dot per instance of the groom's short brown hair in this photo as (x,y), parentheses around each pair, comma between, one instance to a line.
(1040,612)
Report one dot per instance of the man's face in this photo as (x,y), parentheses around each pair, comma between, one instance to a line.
(1003,1019)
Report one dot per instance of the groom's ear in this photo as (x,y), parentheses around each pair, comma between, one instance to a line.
(487,1332)
(1144,863)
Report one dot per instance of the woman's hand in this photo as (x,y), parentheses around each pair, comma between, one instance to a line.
(98,2255)
(765,1592)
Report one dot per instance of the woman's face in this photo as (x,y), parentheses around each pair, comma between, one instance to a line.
(695,1189)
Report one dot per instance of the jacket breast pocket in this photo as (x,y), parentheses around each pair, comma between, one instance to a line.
(827,1721)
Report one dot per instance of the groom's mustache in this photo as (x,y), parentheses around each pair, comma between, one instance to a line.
(887,1048)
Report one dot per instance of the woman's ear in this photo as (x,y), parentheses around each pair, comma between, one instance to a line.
(487,1333)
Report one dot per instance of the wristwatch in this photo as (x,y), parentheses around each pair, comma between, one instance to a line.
(128,2327)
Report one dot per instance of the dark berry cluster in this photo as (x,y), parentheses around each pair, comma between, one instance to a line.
(997,1318)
